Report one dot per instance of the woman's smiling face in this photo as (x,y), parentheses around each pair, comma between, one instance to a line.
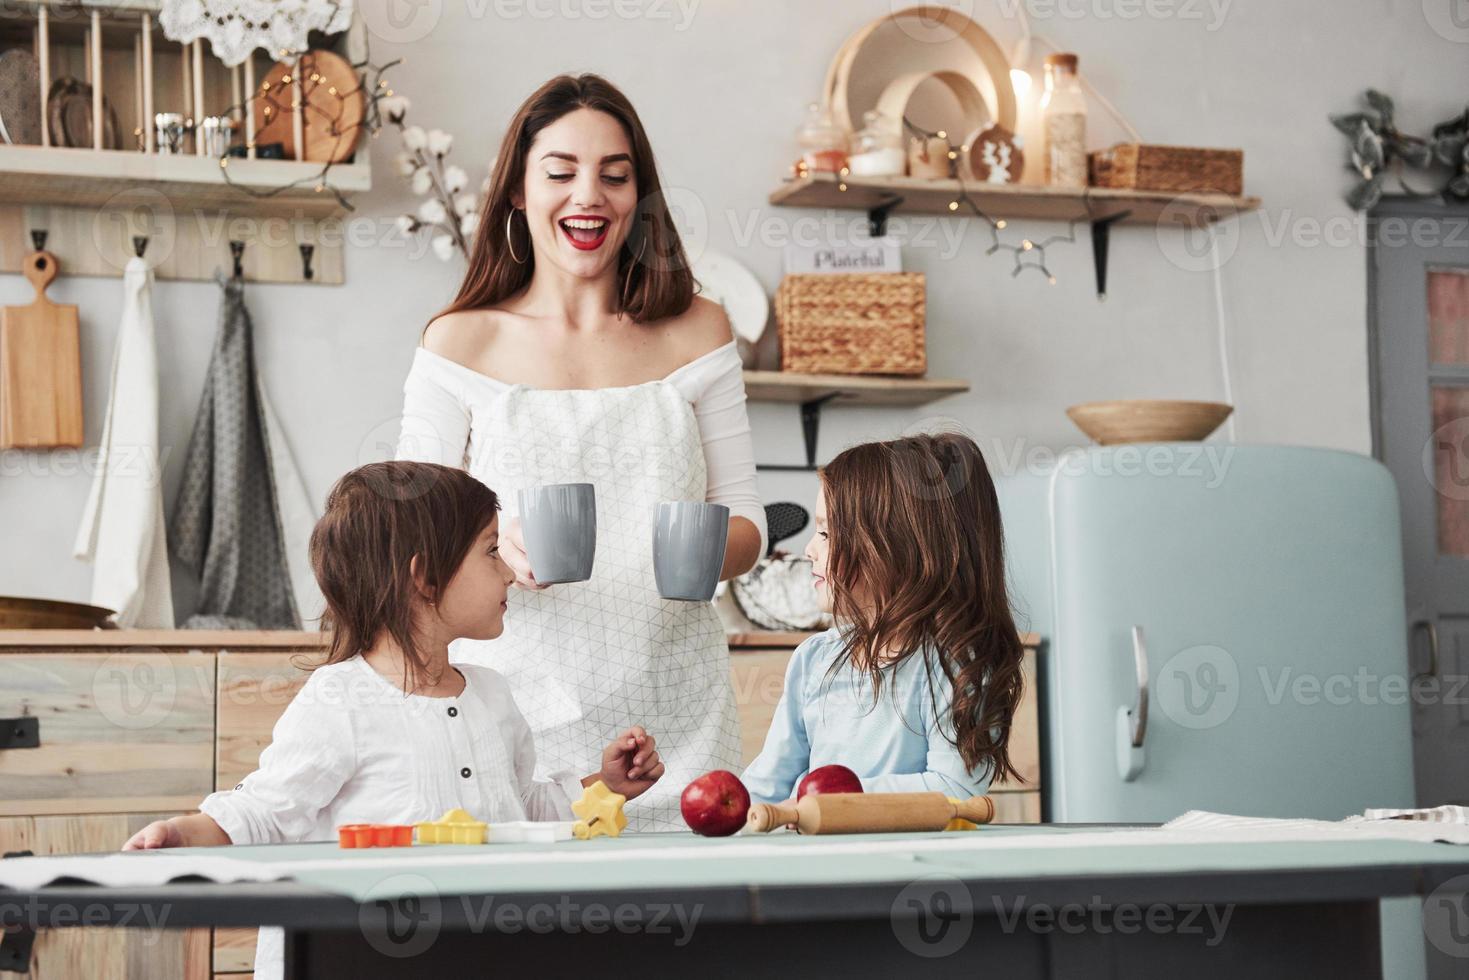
(580,192)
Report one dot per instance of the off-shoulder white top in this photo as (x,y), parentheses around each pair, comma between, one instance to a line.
(440,395)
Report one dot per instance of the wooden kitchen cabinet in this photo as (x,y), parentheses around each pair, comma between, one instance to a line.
(134,953)
(135,725)
(122,731)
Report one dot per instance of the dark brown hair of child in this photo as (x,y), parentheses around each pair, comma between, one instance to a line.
(917,567)
(378,518)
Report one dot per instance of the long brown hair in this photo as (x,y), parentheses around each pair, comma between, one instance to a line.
(378,518)
(653,275)
(917,567)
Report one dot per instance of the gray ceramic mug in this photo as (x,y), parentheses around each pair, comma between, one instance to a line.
(559,524)
(688,548)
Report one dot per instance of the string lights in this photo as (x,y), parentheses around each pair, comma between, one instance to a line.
(317,88)
(1029,253)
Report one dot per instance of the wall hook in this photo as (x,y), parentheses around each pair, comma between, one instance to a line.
(38,239)
(140,245)
(307,251)
(237,250)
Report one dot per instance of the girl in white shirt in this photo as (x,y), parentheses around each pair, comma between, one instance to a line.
(407,557)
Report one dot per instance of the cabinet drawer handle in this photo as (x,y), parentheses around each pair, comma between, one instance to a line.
(20,733)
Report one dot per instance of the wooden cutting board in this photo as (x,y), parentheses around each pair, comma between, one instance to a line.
(40,367)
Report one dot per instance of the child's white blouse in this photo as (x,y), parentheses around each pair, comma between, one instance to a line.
(353,748)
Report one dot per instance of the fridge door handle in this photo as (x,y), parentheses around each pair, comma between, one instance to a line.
(1426,626)
(1132,723)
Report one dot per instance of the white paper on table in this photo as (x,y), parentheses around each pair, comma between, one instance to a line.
(142,869)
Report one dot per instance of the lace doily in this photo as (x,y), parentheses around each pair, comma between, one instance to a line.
(237,27)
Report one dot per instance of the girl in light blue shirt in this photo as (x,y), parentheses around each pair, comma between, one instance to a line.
(915,686)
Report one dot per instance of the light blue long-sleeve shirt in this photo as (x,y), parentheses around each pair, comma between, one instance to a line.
(899,745)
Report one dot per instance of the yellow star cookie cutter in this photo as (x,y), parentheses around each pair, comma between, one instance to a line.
(600,811)
(959,823)
(456,826)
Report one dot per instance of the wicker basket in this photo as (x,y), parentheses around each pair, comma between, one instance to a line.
(1179,169)
(852,323)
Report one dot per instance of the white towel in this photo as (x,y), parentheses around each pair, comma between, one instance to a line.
(123,531)
(1270,828)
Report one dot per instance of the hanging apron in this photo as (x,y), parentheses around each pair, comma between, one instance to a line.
(585,660)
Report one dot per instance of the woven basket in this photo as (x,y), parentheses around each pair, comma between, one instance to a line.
(852,323)
(1178,169)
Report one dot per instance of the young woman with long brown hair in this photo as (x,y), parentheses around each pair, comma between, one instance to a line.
(577,352)
(915,686)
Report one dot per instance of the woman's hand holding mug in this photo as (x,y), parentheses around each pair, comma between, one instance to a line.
(512,549)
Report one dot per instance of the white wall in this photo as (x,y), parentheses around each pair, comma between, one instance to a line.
(721,85)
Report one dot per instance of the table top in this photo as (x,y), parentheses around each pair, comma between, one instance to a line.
(783,876)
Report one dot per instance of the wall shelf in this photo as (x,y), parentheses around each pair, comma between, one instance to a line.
(84,177)
(813,391)
(923,196)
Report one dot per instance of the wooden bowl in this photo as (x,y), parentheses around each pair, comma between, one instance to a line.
(1148,420)
(48,614)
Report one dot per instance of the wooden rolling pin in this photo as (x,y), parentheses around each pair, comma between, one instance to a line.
(865,813)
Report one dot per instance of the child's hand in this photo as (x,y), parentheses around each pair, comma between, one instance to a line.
(159,833)
(512,549)
(631,764)
(194,830)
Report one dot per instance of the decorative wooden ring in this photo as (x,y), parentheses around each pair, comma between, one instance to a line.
(995,85)
(894,100)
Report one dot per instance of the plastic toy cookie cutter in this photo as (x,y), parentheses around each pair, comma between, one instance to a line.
(353,835)
(600,811)
(959,823)
(456,826)
(530,831)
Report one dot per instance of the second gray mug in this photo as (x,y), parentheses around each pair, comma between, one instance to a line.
(559,524)
(688,548)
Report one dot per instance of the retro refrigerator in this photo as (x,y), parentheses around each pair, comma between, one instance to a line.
(1223,629)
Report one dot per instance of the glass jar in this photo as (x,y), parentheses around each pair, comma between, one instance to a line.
(877,149)
(1063,108)
(823,142)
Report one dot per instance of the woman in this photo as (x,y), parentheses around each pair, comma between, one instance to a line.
(576,351)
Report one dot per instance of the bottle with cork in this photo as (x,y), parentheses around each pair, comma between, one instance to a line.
(1063,109)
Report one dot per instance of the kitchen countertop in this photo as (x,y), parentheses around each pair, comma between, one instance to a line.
(11,640)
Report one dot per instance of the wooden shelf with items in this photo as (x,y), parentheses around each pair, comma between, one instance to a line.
(112,179)
(1020,201)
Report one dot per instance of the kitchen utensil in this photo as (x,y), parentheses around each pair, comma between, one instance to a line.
(40,367)
(689,538)
(559,523)
(69,112)
(783,520)
(335,106)
(1148,420)
(169,131)
(918,39)
(20,97)
(18,613)
(733,286)
(216,133)
(865,813)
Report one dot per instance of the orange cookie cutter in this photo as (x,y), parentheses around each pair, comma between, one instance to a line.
(354,835)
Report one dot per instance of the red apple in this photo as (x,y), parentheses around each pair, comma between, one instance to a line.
(715,804)
(829,779)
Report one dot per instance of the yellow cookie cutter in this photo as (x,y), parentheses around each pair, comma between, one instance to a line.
(456,826)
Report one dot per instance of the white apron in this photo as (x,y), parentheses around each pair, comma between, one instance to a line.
(585,660)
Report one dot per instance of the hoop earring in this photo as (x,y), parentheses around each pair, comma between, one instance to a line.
(627,279)
(510,239)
